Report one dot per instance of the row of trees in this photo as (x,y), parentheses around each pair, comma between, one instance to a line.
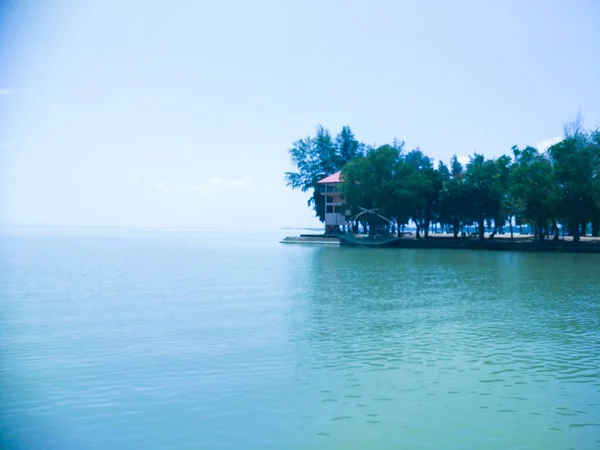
(549,191)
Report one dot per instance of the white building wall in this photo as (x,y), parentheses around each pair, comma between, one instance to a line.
(332,203)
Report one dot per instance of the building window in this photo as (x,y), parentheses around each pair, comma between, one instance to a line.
(337,209)
(329,208)
(329,199)
(331,188)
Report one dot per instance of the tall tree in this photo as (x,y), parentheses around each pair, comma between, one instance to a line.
(482,194)
(318,156)
(500,204)
(574,168)
(594,144)
(367,181)
(442,212)
(417,185)
(347,147)
(533,189)
(453,197)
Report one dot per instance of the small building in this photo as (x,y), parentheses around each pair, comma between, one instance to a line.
(334,218)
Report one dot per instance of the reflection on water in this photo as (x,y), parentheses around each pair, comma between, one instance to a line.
(188,340)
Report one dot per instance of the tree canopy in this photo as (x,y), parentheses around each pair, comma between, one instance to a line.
(548,191)
(318,156)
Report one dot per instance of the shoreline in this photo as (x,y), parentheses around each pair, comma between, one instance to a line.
(443,242)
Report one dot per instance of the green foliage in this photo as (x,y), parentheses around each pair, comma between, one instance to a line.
(594,143)
(561,186)
(575,167)
(368,180)
(402,186)
(317,157)
(347,147)
(533,188)
(486,185)
(418,186)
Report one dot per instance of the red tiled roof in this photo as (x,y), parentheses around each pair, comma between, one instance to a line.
(335,178)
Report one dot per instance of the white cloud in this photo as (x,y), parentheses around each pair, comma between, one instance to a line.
(4,91)
(217,184)
(545,145)
(160,184)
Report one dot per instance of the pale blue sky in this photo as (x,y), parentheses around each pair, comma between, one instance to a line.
(147,113)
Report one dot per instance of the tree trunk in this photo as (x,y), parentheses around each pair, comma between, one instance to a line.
(555,229)
(583,228)
(541,233)
(426,224)
(576,233)
(481,228)
(455,229)
(596,227)
(494,230)
(418,235)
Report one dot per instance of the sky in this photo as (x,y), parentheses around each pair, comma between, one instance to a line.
(179,114)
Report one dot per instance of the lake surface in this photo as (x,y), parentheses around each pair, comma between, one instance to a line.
(114,339)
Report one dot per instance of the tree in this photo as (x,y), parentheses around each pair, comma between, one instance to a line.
(317,157)
(500,202)
(417,187)
(442,211)
(347,146)
(594,143)
(453,197)
(484,198)
(367,180)
(532,188)
(574,168)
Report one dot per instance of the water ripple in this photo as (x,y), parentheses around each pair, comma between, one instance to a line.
(162,343)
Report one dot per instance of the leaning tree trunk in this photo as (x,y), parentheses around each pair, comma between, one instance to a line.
(555,230)
(494,230)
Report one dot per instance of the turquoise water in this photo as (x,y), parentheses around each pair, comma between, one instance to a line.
(117,339)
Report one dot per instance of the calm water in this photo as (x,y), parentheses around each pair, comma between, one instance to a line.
(160,340)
